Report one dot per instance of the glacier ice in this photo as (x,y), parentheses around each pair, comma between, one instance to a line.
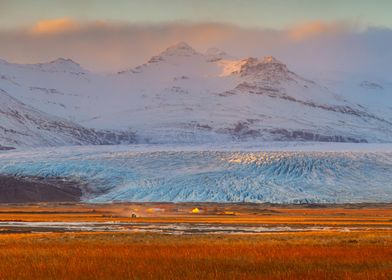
(125,173)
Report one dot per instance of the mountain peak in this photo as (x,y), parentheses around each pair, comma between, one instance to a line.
(268,68)
(215,54)
(270,59)
(2,61)
(62,65)
(181,46)
(180,49)
(214,51)
(64,61)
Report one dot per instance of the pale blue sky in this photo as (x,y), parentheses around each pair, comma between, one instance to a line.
(250,13)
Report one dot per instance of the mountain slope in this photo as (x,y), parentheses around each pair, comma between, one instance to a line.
(21,125)
(229,99)
(185,96)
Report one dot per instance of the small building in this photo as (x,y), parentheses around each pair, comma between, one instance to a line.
(195,210)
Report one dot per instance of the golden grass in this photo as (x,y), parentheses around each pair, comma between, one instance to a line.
(172,213)
(150,256)
(364,254)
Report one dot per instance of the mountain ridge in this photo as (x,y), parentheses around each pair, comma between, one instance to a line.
(185,96)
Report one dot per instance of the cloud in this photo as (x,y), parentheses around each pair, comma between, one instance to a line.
(317,28)
(60,25)
(114,46)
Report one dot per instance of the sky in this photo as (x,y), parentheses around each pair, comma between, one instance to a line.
(103,35)
(245,13)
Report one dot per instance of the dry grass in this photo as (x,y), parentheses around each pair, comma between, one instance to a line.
(365,254)
(149,256)
(172,213)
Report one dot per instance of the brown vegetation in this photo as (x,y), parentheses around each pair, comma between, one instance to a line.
(365,253)
(151,256)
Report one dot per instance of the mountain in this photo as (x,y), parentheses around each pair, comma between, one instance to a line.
(184,96)
(22,125)
(193,96)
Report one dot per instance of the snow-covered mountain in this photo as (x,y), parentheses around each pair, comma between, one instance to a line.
(185,96)
(22,125)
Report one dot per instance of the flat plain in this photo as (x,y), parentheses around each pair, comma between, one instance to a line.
(195,241)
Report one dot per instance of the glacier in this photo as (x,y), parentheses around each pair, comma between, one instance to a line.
(277,174)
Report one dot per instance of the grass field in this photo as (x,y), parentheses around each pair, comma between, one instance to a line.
(365,253)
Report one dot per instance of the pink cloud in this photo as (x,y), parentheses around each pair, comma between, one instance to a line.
(59,25)
(114,46)
(316,28)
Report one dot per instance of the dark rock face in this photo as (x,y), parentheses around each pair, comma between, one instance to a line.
(111,137)
(26,190)
(4,148)
(299,135)
(269,69)
(243,130)
(370,85)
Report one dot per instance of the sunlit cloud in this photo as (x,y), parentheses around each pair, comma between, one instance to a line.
(114,46)
(317,28)
(59,25)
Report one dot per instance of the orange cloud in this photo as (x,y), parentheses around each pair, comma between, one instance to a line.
(314,28)
(55,26)
(114,46)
